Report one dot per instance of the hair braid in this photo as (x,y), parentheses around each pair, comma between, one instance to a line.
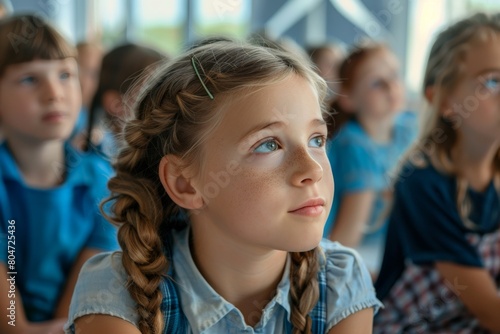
(139,209)
(304,289)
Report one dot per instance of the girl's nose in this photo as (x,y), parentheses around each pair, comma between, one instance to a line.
(306,170)
(53,90)
(394,86)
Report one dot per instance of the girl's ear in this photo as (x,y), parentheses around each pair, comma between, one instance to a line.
(112,103)
(445,106)
(177,185)
(429,94)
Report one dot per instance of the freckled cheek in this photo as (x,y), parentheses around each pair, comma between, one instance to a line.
(256,192)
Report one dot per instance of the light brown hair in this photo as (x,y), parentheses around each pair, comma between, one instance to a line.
(173,115)
(25,38)
(119,68)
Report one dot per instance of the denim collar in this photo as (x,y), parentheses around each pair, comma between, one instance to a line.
(202,305)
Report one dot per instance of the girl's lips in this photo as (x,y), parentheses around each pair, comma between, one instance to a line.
(311,211)
(53,117)
(312,207)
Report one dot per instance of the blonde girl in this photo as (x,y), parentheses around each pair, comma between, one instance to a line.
(222,192)
(441,268)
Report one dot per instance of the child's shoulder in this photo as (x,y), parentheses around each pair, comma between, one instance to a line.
(87,168)
(341,260)
(420,173)
(351,143)
(90,163)
(8,166)
(405,129)
(349,284)
(102,289)
(104,267)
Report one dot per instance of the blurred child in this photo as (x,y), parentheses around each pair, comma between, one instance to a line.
(441,268)
(366,147)
(89,66)
(49,216)
(225,185)
(120,67)
(327,58)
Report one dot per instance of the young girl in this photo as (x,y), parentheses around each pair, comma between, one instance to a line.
(367,144)
(89,66)
(441,268)
(49,216)
(222,193)
(120,67)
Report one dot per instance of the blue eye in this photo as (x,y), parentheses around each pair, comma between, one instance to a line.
(267,146)
(64,75)
(28,80)
(377,83)
(318,141)
(491,84)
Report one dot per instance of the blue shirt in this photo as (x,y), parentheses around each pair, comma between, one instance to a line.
(361,164)
(52,226)
(101,289)
(81,123)
(425,227)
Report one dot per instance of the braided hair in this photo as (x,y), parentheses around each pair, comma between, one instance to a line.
(173,115)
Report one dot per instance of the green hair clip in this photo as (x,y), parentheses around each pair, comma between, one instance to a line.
(199,77)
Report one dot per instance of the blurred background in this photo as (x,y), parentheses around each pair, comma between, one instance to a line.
(408,26)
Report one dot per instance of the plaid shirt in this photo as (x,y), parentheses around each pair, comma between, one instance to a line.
(421,301)
(176,322)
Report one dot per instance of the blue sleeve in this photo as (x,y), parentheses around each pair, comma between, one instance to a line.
(407,122)
(349,285)
(354,167)
(102,289)
(103,236)
(426,220)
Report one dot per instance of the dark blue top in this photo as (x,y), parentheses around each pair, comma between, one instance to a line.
(425,226)
(52,226)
